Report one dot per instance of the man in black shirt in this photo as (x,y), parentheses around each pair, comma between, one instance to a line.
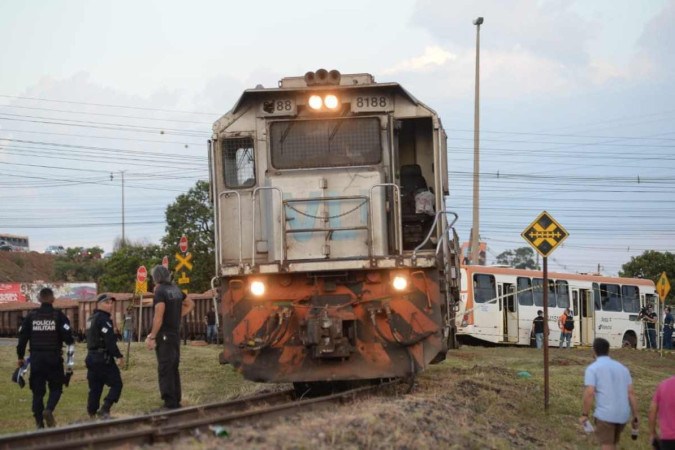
(170,304)
(538,326)
(650,327)
(46,329)
(102,353)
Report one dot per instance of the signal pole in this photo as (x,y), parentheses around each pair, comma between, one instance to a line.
(475,233)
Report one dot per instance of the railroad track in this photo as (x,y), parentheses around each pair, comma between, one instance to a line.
(168,425)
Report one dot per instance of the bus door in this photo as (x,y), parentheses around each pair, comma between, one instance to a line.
(509,312)
(587,308)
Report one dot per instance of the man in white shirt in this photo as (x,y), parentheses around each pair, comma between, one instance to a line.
(610,383)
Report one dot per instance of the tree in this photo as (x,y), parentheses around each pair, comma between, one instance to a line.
(79,264)
(520,258)
(192,215)
(120,269)
(651,264)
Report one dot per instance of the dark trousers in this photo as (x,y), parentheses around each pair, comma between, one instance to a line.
(651,337)
(46,369)
(168,358)
(101,372)
(668,337)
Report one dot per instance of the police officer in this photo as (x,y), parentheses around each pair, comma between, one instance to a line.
(170,304)
(102,353)
(47,329)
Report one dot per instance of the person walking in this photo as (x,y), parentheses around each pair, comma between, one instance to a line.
(610,384)
(170,304)
(211,328)
(46,328)
(668,330)
(538,327)
(662,411)
(102,353)
(650,327)
(566,325)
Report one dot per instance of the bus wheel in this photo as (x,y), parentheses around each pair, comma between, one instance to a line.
(629,340)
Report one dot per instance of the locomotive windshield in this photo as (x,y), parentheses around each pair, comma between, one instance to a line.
(332,142)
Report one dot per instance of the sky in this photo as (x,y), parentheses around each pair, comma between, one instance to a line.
(576,108)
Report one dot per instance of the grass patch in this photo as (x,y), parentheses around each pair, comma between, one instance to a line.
(203,380)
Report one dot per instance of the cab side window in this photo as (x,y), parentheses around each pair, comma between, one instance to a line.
(239,162)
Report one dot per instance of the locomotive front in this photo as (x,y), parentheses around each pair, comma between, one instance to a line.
(335,255)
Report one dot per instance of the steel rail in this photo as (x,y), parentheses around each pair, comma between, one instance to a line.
(116,431)
(163,426)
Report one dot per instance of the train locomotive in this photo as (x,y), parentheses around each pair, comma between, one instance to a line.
(336,258)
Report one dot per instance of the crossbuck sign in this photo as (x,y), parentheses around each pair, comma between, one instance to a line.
(544,234)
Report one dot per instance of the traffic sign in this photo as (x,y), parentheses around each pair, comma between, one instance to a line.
(663,287)
(183,261)
(142,274)
(183,244)
(544,234)
(165,262)
(141,287)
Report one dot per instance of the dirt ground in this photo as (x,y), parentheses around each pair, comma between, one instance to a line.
(24,267)
(479,398)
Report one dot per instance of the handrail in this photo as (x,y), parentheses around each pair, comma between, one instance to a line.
(397,218)
(432,229)
(219,255)
(282,224)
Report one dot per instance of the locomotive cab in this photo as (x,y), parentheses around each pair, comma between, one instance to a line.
(327,190)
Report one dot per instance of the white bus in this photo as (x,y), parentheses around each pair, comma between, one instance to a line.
(498,304)
(12,243)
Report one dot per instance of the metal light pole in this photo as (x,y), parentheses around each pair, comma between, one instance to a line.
(475,233)
(123,237)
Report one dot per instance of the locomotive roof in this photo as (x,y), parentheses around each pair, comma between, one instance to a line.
(295,86)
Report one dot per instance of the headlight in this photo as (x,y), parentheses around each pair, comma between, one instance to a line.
(330,101)
(257,288)
(400,283)
(315,102)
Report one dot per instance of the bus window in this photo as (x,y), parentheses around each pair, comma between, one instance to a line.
(610,296)
(524,291)
(562,294)
(538,292)
(484,288)
(238,162)
(596,297)
(631,299)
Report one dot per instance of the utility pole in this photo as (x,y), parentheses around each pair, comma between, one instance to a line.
(475,231)
(111,178)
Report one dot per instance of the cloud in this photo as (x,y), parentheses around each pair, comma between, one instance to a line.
(433,56)
(656,44)
(535,27)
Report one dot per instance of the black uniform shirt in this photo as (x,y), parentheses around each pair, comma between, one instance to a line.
(46,328)
(172,297)
(538,324)
(651,325)
(101,325)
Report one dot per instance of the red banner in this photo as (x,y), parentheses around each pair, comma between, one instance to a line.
(11,292)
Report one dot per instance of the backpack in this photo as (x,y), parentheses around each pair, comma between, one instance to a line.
(569,323)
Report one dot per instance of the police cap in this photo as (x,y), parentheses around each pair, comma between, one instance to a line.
(104,297)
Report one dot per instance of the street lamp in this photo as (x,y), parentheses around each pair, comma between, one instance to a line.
(123,244)
(475,234)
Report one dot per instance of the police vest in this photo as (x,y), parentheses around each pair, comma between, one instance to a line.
(44,335)
(95,339)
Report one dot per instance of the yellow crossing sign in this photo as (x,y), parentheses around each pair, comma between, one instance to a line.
(141,287)
(663,287)
(183,261)
(544,234)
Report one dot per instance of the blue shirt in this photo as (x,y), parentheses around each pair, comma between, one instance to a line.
(610,380)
